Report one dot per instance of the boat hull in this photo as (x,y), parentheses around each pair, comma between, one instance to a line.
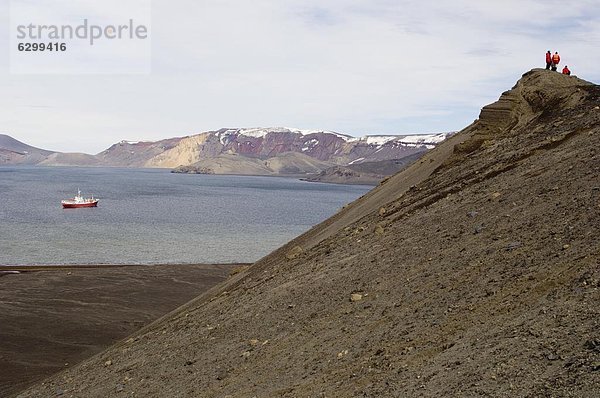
(67,205)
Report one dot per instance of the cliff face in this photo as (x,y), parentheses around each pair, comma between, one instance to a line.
(204,152)
(473,272)
(267,143)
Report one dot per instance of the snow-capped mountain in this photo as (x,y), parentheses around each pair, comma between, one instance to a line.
(265,143)
(274,150)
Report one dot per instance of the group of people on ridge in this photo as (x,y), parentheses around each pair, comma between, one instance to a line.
(552,62)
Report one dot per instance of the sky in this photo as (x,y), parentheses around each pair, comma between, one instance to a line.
(353,66)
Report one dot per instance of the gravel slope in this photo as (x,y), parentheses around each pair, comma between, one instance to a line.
(52,317)
(474,272)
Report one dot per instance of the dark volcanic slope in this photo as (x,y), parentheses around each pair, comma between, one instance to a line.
(478,276)
(54,317)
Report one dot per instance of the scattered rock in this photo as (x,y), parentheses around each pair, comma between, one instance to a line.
(496,195)
(382,211)
(119,387)
(246,354)
(472,214)
(59,391)
(108,363)
(379,229)
(356,297)
(294,253)
(593,345)
(565,247)
(513,246)
(552,357)
(238,270)
(254,342)
(221,374)
(478,229)
(468,146)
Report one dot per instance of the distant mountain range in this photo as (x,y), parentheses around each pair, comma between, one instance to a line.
(256,151)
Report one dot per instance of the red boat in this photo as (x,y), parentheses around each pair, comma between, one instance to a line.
(79,201)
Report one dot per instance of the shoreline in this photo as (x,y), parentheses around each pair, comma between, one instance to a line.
(300,177)
(56,267)
(6,270)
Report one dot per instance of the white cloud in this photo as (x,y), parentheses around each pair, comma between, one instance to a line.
(356,66)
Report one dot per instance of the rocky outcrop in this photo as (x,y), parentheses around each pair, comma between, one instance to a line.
(187,151)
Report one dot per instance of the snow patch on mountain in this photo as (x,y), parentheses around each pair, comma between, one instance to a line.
(411,141)
(424,138)
(308,145)
(378,139)
(356,161)
(261,132)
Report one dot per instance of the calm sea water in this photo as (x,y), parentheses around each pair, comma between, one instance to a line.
(149,216)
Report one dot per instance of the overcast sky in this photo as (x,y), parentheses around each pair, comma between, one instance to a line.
(355,66)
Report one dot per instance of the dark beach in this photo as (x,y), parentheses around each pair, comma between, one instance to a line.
(52,317)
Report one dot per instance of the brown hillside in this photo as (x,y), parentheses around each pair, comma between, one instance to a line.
(473,272)
(16,152)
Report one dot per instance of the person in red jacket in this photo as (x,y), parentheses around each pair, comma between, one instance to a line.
(566,70)
(555,61)
(548,60)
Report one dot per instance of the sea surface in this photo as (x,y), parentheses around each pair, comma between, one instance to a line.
(152,216)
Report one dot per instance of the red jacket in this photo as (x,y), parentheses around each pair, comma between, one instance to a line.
(556,59)
(548,58)
(566,71)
